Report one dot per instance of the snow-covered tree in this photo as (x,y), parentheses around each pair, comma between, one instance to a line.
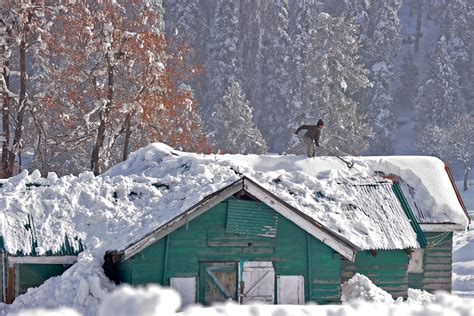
(222,66)
(379,32)
(233,122)
(250,39)
(114,85)
(440,97)
(304,25)
(379,111)
(407,91)
(273,114)
(460,35)
(188,30)
(23,24)
(452,142)
(333,75)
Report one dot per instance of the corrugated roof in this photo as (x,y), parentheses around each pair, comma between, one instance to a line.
(379,206)
(158,183)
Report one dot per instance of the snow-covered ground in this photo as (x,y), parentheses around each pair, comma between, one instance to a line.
(155,300)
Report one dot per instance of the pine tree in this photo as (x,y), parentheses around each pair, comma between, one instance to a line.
(222,66)
(460,34)
(453,141)
(380,35)
(440,97)
(233,121)
(304,25)
(250,52)
(334,75)
(273,115)
(407,91)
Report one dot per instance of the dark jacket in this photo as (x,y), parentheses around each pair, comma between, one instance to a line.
(313,132)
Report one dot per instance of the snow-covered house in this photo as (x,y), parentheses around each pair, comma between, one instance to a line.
(272,228)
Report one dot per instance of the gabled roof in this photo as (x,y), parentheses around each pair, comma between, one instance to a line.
(159,184)
(312,226)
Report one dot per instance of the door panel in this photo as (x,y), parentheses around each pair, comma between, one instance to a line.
(290,289)
(258,282)
(219,281)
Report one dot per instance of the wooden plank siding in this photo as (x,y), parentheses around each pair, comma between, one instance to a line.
(204,239)
(388,270)
(437,264)
(33,275)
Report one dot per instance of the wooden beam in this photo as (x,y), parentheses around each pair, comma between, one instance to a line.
(313,227)
(442,228)
(4,276)
(193,212)
(456,191)
(11,285)
(42,260)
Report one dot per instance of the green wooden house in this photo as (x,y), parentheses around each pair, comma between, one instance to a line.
(21,271)
(430,267)
(272,229)
(246,244)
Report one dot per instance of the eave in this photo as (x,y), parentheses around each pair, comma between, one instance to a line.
(443,227)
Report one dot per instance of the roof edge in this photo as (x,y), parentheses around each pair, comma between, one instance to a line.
(335,241)
(194,211)
(442,227)
(458,195)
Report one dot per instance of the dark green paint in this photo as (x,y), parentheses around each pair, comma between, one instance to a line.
(420,236)
(437,264)
(250,218)
(33,275)
(388,270)
(204,239)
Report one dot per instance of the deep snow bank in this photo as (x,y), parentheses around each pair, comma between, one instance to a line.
(154,301)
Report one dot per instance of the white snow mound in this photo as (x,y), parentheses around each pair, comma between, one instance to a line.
(361,288)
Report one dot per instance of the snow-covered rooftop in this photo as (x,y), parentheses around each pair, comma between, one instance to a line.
(157,183)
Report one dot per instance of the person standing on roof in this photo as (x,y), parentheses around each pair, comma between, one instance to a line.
(311,137)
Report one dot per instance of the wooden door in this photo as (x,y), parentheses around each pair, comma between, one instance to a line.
(258,282)
(218,281)
(290,289)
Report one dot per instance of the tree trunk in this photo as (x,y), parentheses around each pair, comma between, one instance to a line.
(22,103)
(6,101)
(466,176)
(103,117)
(128,134)
(5,120)
(418,26)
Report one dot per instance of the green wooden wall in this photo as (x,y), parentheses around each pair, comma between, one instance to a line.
(388,270)
(33,275)
(437,264)
(292,250)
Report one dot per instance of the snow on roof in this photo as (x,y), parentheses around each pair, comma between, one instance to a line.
(434,195)
(158,183)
